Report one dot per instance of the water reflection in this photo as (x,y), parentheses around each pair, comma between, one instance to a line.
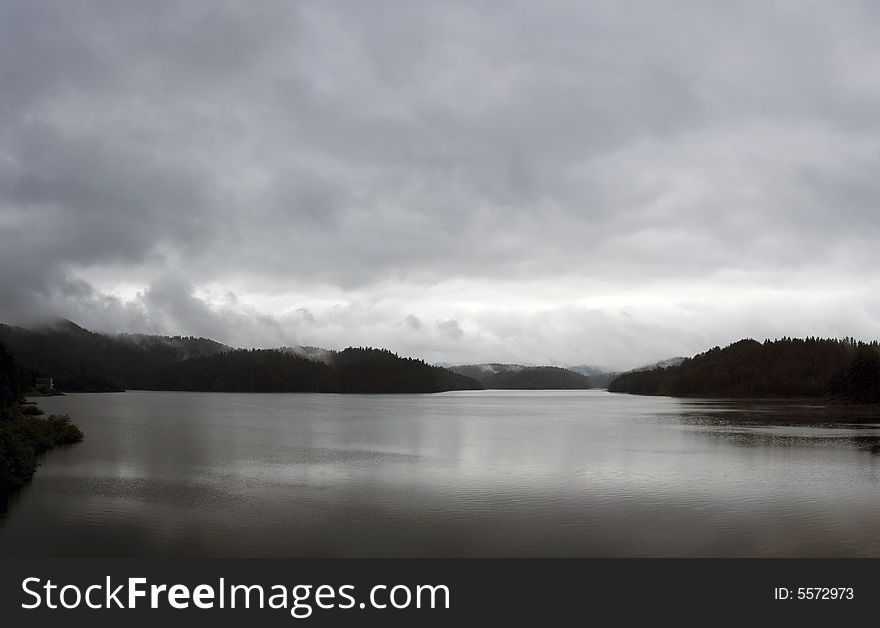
(784,424)
(484,473)
(778,412)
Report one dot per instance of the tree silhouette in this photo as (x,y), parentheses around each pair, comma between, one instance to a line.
(790,367)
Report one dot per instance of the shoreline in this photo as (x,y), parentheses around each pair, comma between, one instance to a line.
(25,435)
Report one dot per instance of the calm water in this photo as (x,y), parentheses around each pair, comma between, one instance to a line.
(483,473)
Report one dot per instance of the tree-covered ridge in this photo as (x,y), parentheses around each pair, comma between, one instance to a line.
(84,361)
(540,378)
(517,377)
(790,367)
(365,369)
(354,370)
(24,434)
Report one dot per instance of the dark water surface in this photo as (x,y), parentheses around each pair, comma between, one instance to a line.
(484,473)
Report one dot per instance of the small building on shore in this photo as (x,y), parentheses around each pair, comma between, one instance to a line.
(45,384)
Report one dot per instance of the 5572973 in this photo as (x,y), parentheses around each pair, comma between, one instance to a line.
(814,593)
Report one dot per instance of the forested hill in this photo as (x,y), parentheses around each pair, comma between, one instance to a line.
(517,377)
(85,361)
(354,370)
(844,370)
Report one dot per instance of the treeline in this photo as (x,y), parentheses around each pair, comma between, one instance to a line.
(516,377)
(844,370)
(14,380)
(354,370)
(83,361)
(24,434)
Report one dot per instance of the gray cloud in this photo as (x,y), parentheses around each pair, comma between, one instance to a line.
(451,329)
(413,322)
(572,182)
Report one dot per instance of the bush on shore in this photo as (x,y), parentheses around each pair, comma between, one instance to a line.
(23,438)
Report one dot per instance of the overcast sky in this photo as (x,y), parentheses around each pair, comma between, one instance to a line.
(608,183)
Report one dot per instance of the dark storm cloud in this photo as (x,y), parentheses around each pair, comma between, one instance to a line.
(568,178)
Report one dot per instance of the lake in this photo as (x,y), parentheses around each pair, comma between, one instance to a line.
(477,473)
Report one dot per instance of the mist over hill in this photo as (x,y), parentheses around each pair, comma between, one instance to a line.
(519,377)
(353,370)
(83,361)
(599,377)
(80,360)
(86,361)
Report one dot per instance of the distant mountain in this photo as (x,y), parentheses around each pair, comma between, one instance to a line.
(483,372)
(539,378)
(519,377)
(602,378)
(599,377)
(811,368)
(588,370)
(81,360)
(354,370)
